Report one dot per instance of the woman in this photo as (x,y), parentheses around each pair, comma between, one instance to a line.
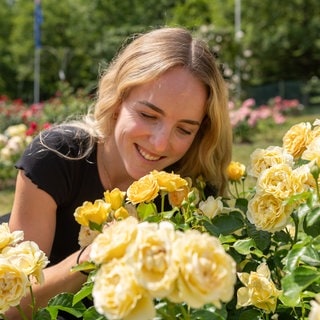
(161,104)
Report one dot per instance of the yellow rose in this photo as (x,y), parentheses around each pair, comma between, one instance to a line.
(259,290)
(297,138)
(114,240)
(8,238)
(276,180)
(268,212)
(211,206)
(121,213)
(235,171)
(86,236)
(178,196)
(312,152)
(315,309)
(115,198)
(143,190)
(207,273)
(27,257)
(96,212)
(16,130)
(152,259)
(13,285)
(262,159)
(117,294)
(302,179)
(169,181)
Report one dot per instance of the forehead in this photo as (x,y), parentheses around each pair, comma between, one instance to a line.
(177,90)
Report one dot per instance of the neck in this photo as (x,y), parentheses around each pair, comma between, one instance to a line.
(111,174)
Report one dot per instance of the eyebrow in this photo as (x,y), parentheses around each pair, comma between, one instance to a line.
(157,109)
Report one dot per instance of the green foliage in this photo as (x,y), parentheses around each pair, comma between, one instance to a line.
(78,36)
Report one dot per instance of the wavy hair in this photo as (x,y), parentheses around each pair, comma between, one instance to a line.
(148,56)
(145,58)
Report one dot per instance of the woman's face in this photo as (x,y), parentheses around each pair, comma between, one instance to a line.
(158,122)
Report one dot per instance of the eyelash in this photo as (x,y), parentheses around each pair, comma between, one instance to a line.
(150,117)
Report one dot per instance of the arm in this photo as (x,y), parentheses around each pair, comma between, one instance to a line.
(34,212)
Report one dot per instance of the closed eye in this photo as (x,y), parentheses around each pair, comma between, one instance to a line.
(148,116)
(184,131)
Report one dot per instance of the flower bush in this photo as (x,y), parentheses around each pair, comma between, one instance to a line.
(250,118)
(21,265)
(166,249)
(179,262)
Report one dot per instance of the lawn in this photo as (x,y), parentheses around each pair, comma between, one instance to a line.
(241,151)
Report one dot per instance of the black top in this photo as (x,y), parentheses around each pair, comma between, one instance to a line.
(70,182)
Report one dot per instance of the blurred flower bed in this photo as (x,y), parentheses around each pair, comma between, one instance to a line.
(20,122)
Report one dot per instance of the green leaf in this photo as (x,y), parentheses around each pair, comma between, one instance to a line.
(85,266)
(247,246)
(251,314)
(83,293)
(261,238)
(92,314)
(95,226)
(311,222)
(64,302)
(225,223)
(242,204)
(146,209)
(43,314)
(294,283)
(302,252)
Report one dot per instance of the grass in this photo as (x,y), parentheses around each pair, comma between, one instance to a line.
(6,200)
(241,151)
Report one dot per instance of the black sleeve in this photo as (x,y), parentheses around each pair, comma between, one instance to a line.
(48,170)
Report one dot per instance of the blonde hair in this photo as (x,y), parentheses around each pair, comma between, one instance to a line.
(150,55)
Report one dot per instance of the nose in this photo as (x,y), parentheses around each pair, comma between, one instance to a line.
(160,138)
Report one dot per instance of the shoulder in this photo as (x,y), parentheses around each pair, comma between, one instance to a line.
(67,140)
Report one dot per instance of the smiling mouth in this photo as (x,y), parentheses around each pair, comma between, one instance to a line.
(146,155)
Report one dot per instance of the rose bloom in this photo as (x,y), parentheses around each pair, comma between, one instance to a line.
(207,273)
(297,138)
(16,130)
(302,179)
(262,159)
(8,238)
(235,171)
(143,190)
(117,294)
(152,258)
(312,152)
(13,285)
(211,206)
(268,212)
(28,258)
(315,309)
(121,213)
(96,212)
(114,240)
(86,236)
(276,180)
(115,198)
(169,181)
(259,290)
(177,197)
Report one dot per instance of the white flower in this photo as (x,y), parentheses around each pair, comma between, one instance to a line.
(211,206)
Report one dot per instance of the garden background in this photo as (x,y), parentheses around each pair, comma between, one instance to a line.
(269,55)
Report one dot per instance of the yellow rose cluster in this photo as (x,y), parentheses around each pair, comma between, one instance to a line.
(259,290)
(21,265)
(118,204)
(148,187)
(281,176)
(139,262)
